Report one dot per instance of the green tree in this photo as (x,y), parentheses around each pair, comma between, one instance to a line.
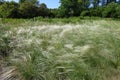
(28,10)
(96,11)
(66,8)
(9,10)
(83,5)
(117,11)
(43,6)
(1,2)
(109,1)
(54,13)
(96,3)
(21,1)
(72,7)
(35,2)
(109,10)
(43,10)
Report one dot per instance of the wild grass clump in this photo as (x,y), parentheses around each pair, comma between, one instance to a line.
(5,39)
(88,50)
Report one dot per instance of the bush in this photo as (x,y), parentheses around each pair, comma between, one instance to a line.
(109,10)
(9,10)
(4,46)
(5,40)
(84,13)
(118,11)
(28,10)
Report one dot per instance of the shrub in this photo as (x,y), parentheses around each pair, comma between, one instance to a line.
(9,10)
(5,49)
(84,13)
(28,10)
(117,11)
(109,10)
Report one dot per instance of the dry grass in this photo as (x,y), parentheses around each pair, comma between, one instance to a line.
(84,51)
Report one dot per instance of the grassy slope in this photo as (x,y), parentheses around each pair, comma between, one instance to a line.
(61,49)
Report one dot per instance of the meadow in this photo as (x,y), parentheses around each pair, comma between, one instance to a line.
(60,49)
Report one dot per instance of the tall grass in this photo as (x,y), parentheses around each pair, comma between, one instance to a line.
(73,50)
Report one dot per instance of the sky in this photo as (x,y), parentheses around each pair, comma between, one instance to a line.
(49,3)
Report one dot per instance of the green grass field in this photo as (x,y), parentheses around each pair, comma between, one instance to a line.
(59,49)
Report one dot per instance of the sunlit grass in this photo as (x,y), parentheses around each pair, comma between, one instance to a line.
(77,50)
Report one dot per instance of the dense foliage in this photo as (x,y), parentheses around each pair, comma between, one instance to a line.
(23,9)
(68,8)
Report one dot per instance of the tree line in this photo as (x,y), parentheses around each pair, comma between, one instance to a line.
(23,9)
(68,8)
